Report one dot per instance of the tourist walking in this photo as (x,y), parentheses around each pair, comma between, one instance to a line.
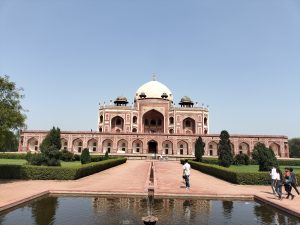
(186,174)
(294,180)
(273,177)
(288,184)
(278,183)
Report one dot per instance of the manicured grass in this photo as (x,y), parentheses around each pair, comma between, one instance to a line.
(13,161)
(23,162)
(70,164)
(254,168)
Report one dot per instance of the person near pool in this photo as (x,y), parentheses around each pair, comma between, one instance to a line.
(186,174)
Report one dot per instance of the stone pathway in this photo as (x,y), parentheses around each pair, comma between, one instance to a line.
(132,179)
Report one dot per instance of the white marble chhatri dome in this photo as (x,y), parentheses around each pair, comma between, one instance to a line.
(154,89)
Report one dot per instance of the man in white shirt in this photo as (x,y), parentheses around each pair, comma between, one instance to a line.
(186,174)
(273,176)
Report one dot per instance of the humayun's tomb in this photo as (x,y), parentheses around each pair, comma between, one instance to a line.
(153,124)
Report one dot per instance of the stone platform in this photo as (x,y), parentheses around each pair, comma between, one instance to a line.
(131,179)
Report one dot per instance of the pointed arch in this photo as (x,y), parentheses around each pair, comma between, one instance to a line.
(182,147)
(33,144)
(276,148)
(122,146)
(137,146)
(107,146)
(77,145)
(153,122)
(244,148)
(117,124)
(167,147)
(212,148)
(189,125)
(92,145)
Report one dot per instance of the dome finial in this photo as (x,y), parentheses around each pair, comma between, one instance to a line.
(153,77)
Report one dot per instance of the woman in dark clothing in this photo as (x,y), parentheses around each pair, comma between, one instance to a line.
(288,184)
(294,180)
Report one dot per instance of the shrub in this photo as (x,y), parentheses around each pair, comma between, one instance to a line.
(96,158)
(76,157)
(56,173)
(67,156)
(224,150)
(265,157)
(106,156)
(241,159)
(85,156)
(50,147)
(199,149)
(36,159)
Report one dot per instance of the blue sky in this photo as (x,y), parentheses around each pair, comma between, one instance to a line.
(240,57)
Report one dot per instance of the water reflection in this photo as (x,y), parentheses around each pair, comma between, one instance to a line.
(227,207)
(129,211)
(43,211)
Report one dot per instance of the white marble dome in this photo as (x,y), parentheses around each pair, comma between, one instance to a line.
(154,89)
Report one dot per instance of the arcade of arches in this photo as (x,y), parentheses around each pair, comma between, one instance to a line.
(139,146)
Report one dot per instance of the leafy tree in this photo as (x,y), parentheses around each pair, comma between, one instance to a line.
(52,139)
(199,149)
(265,157)
(50,147)
(294,146)
(224,150)
(11,111)
(85,156)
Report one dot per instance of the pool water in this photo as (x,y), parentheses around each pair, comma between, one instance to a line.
(129,211)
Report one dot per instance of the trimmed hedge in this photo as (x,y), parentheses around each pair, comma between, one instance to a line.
(286,162)
(250,178)
(5,155)
(56,173)
(282,162)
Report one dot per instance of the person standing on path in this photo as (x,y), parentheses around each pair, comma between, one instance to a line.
(294,181)
(288,184)
(279,179)
(186,174)
(273,176)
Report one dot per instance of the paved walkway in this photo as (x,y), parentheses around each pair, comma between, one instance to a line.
(132,178)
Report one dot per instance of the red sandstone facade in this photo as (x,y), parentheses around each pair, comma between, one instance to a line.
(152,125)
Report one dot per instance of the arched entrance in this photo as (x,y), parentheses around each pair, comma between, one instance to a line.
(153,122)
(152,147)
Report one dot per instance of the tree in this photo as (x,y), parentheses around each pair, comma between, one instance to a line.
(265,157)
(199,149)
(50,147)
(224,150)
(85,156)
(294,146)
(12,118)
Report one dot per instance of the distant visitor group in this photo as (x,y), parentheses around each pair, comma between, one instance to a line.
(287,179)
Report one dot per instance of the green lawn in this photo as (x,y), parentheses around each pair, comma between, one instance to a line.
(254,168)
(22,162)
(13,161)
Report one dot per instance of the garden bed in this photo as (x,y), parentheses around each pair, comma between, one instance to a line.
(233,175)
(69,172)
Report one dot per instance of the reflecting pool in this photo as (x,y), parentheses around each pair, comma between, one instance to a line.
(128,211)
